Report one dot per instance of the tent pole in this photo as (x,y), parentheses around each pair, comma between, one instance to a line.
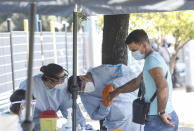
(28,124)
(74,94)
(11,51)
(41,40)
(66,46)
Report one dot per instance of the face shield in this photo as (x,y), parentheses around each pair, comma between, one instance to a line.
(22,111)
(87,86)
(84,85)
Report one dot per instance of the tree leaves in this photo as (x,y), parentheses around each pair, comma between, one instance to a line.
(180,24)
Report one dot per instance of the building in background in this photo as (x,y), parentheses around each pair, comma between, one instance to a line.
(188,60)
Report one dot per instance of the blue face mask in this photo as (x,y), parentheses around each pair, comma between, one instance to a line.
(138,55)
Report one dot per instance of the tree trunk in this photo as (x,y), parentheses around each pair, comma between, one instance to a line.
(178,46)
(173,62)
(114,49)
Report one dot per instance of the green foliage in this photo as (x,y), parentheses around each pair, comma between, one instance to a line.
(101,21)
(81,15)
(184,26)
(16,21)
(46,21)
(180,24)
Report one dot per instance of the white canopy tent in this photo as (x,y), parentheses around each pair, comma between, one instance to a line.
(93,7)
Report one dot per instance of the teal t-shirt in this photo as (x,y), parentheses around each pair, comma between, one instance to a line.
(152,61)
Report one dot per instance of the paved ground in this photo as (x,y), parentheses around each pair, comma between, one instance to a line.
(186,129)
(184,106)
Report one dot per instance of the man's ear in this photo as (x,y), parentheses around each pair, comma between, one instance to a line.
(144,44)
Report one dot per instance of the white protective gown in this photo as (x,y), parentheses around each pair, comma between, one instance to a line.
(119,114)
(50,99)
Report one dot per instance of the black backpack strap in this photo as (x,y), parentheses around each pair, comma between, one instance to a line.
(154,96)
(141,91)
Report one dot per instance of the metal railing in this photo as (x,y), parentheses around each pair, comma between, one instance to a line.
(64,51)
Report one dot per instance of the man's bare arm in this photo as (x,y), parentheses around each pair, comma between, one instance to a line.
(162,93)
(162,87)
(131,85)
(128,87)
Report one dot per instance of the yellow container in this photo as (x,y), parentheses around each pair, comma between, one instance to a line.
(116,130)
(48,124)
(48,121)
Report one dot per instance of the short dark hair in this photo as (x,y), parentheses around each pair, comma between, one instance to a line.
(138,36)
(18,95)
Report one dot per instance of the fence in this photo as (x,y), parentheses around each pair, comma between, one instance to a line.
(42,55)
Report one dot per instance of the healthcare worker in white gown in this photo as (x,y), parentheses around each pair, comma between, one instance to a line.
(51,94)
(119,114)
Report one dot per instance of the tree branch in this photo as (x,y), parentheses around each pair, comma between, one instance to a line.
(182,45)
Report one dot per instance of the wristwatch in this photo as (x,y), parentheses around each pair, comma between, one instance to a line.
(161,113)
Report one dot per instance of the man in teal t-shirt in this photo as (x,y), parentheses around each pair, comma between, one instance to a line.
(154,60)
(157,78)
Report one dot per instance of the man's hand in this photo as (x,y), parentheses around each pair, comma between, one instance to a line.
(112,95)
(166,119)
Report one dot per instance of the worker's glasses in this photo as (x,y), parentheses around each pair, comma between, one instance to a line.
(62,79)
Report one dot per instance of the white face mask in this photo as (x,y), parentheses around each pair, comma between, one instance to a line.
(22,114)
(138,55)
(23,110)
(89,87)
(60,86)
